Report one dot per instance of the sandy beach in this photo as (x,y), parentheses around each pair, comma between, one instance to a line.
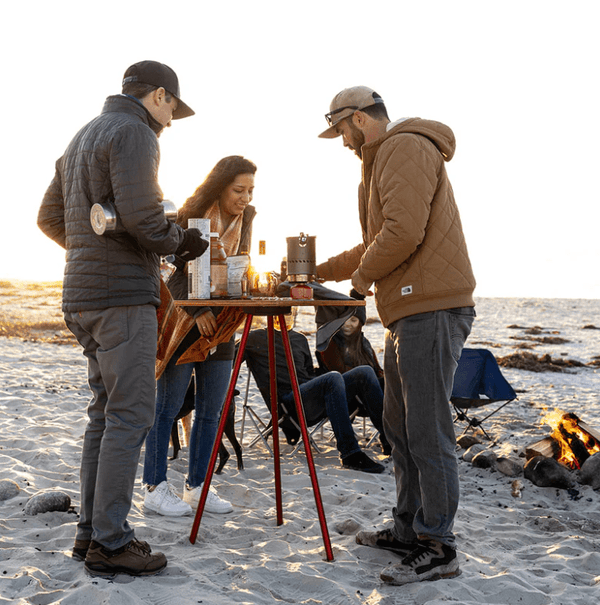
(531,546)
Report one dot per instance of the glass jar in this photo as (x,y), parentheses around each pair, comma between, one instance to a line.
(218,267)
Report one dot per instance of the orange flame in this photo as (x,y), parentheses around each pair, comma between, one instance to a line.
(567,424)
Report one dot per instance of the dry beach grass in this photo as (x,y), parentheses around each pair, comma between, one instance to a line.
(31,311)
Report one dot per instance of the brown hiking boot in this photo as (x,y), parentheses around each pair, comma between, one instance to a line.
(80,549)
(134,558)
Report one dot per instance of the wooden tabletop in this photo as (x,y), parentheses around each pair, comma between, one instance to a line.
(268,301)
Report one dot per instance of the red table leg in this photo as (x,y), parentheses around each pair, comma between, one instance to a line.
(213,458)
(274,419)
(302,421)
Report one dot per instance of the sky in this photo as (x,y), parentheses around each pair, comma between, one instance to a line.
(515,80)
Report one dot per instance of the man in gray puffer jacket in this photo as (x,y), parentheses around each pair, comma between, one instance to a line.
(111,290)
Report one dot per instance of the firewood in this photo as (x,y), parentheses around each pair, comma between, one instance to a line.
(547,447)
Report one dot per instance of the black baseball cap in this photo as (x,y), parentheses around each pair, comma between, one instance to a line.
(159,75)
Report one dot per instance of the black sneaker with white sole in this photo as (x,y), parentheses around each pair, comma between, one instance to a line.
(385,539)
(430,560)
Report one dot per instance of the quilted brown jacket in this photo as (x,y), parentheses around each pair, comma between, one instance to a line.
(413,247)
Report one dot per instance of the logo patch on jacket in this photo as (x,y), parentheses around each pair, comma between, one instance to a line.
(406,290)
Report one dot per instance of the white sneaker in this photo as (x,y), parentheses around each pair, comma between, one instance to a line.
(163,500)
(213,504)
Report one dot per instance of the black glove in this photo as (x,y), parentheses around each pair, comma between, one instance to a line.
(355,294)
(192,245)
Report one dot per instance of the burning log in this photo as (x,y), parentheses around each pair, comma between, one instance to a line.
(572,444)
(576,445)
(575,439)
(589,430)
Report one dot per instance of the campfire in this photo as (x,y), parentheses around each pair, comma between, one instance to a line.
(571,443)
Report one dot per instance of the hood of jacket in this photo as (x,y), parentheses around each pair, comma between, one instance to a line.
(413,248)
(439,134)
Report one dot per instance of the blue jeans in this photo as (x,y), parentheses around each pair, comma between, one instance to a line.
(331,392)
(120,346)
(421,356)
(212,379)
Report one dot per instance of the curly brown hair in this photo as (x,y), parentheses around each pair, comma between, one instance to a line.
(222,175)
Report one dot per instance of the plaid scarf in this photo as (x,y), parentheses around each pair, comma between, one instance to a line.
(230,237)
(174,324)
(167,315)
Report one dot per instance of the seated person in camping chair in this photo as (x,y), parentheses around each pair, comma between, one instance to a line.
(323,396)
(349,348)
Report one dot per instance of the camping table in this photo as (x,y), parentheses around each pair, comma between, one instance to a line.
(269,307)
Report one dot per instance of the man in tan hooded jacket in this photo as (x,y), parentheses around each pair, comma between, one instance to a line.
(414,251)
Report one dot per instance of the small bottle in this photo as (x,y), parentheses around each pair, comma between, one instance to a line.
(245,280)
(258,277)
(218,267)
(283,275)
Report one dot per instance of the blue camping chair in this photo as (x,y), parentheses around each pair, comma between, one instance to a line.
(478,382)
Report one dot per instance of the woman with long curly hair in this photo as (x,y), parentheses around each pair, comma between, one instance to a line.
(224,197)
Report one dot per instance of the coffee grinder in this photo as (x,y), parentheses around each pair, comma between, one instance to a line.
(301,265)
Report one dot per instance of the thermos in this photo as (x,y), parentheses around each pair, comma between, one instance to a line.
(104,217)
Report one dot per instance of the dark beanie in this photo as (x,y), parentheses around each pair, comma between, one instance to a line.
(361,312)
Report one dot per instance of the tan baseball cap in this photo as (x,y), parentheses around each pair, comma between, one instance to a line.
(345,103)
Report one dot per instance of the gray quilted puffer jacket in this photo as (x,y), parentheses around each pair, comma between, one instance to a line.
(114,158)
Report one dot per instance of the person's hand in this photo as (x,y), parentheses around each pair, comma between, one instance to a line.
(318,277)
(355,294)
(207,324)
(192,245)
(361,285)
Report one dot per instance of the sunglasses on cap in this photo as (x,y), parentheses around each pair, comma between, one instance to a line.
(329,116)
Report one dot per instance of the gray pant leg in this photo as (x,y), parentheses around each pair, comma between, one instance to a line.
(421,356)
(120,345)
